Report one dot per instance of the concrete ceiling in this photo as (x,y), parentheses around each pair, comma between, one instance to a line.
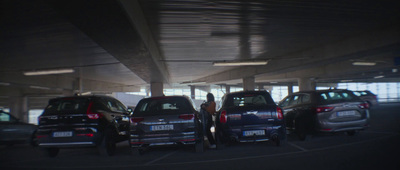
(124,45)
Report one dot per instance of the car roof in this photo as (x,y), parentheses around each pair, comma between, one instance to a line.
(321,91)
(166,97)
(82,97)
(247,91)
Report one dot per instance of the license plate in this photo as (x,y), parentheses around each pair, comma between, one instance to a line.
(161,127)
(62,134)
(254,132)
(346,113)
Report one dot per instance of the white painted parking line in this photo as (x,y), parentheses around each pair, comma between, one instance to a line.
(160,158)
(297,146)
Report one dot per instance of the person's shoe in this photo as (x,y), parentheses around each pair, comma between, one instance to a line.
(212,146)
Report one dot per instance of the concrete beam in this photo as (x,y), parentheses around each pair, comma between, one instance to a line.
(138,20)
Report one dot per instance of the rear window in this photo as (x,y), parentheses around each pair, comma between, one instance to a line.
(243,99)
(166,105)
(67,106)
(336,97)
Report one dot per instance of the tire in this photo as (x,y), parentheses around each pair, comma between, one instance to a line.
(199,146)
(137,151)
(351,133)
(276,140)
(301,131)
(107,146)
(33,140)
(52,152)
(219,142)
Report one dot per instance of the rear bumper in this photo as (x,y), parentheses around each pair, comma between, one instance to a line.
(236,134)
(342,126)
(67,144)
(163,139)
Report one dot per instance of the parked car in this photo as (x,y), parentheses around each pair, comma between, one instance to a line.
(167,120)
(367,96)
(83,121)
(249,116)
(13,131)
(324,111)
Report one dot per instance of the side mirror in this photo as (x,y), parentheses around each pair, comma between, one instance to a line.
(130,111)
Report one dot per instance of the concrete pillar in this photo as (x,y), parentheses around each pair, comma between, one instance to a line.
(227,88)
(260,87)
(290,88)
(193,92)
(19,107)
(248,83)
(306,84)
(156,89)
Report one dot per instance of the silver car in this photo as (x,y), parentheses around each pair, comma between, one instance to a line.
(167,120)
(325,111)
(368,96)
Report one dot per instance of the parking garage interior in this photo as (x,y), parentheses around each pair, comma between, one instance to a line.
(133,49)
(154,47)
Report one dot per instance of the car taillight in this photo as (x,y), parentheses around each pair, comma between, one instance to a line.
(186,116)
(223,118)
(136,119)
(86,134)
(364,105)
(279,113)
(92,115)
(323,109)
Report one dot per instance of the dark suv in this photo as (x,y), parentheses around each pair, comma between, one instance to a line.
(325,111)
(249,116)
(166,120)
(83,121)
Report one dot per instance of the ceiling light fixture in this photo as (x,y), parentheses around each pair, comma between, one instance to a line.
(193,83)
(241,63)
(4,84)
(47,72)
(363,63)
(344,81)
(378,77)
(39,87)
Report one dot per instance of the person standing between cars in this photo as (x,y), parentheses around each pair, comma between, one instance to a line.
(209,107)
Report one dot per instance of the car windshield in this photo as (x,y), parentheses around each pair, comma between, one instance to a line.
(66,106)
(336,97)
(166,105)
(243,99)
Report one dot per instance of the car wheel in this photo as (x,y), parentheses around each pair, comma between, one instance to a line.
(199,146)
(107,146)
(219,141)
(138,151)
(351,133)
(34,141)
(52,152)
(301,131)
(276,140)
